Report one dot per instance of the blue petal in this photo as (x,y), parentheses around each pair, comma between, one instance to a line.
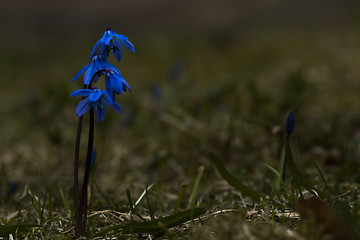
(79,73)
(121,37)
(81,93)
(106,38)
(101,63)
(100,113)
(89,73)
(94,50)
(97,76)
(95,95)
(108,85)
(117,49)
(116,82)
(108,96)
(83,107)
(114,105)
(104,51)
(125,85)
(129,46)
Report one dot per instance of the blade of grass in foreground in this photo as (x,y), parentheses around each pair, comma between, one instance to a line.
(6,230)
(237,184)
(157,225)
(299,177)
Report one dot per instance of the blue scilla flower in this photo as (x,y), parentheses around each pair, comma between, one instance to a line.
(114,42)
(290,123)
(97,100)
(115,83)
(94,69)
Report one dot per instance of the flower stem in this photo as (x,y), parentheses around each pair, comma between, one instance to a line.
(76,162)
(81,217)
(284,165)
(81,207)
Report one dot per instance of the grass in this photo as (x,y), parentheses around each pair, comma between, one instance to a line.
(229,96)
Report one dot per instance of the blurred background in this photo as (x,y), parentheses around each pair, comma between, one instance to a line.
(210,75)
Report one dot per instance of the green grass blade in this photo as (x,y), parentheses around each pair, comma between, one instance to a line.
(277,174)
(5,230)
(151,211)
(157,225)
(142,195)
(298,176)
(128,194)
(196,186)
(50,205)
(238,185)
(322,177)
(36,201)
(64,199)
(180,196)
(132,208)
(195,190)
(103,196)
(42,211)
(279,181)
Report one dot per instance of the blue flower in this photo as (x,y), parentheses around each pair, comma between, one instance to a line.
(114,42)
(290,123)
(115,83)
(94,69)
(97,100)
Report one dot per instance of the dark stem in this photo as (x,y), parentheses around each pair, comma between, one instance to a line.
(79,208)
(284,166)
(76,162)
(81,217)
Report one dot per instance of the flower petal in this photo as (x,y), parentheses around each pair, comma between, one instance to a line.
(125,85)
(83,107)
(79,73)
(94,50)
(116,82)
(100,112)
(107,96)
(104,51)
(114,105)
(108,85)
(129,46)
(81,93)
(89,74)
(95,95)
(117,49)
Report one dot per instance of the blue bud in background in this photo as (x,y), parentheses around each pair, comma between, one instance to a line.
(156,92)
(13,186)
(290,123)
(176,71)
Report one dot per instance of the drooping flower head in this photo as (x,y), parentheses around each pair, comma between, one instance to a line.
(115,83)
(111,41)
(95,99)
(94,69)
